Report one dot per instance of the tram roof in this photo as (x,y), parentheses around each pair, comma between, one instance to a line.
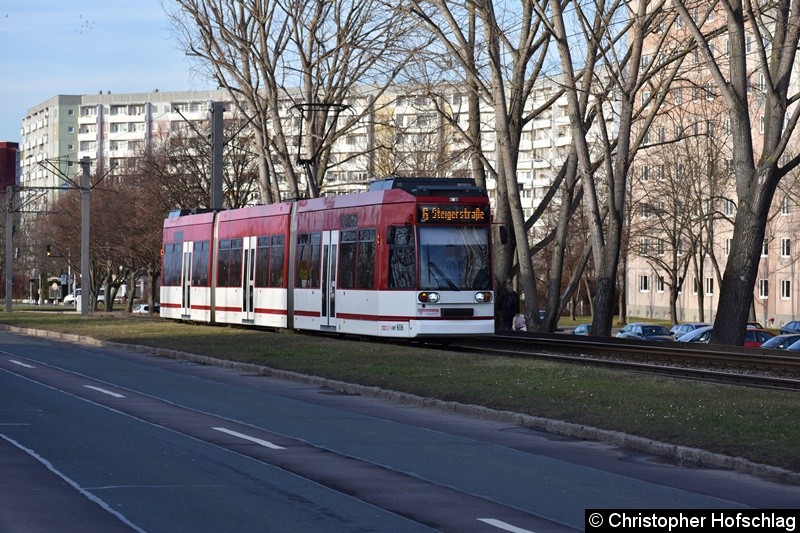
(422,186)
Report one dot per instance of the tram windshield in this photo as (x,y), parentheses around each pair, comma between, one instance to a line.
(454,258)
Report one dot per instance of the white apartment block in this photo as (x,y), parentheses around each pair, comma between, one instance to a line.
(109,129)
(49,147)
(112,130)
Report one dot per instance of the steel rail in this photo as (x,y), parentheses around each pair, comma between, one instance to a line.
(701,363)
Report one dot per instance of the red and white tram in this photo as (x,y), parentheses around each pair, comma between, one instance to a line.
(411,257)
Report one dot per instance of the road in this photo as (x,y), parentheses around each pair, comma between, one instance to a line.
(98,439)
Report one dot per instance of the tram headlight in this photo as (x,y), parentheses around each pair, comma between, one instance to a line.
(483,297)
(428,297)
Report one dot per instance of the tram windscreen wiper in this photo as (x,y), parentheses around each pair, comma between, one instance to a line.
(441,275)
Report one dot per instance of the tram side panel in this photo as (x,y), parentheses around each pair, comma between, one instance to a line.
(186,268)
(360,269)
(327,296)
(251,271)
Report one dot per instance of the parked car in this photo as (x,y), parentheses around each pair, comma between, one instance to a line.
(73,297)
(781,342)
(756,325)
(753,338)
(792,326)
(702,334)
(145,308)
(794,347)
(70,298)
(678,330)
(645,331)
(581,329)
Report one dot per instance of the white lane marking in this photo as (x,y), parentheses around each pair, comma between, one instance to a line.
(503,525)
(104,391)
(20,363)
(88,494)
(251,439)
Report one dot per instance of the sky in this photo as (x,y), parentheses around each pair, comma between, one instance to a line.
(52,47)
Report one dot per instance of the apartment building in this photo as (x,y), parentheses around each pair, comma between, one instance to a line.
(109,129)
(49,146)
(404,134)
(684,199)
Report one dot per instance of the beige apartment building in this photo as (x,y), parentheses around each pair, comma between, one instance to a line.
(683,200)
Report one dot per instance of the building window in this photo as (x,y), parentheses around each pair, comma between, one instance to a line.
(660,247)
(695,286)
(644,210)
(785,206)
(765,249)
(786,247)
(660,284)
(644,174)
(644,246)
(786,289)
(709,286)
(730,207)
(727,246)
(763,289)
(644,283)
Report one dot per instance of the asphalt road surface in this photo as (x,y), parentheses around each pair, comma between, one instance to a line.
(97,439)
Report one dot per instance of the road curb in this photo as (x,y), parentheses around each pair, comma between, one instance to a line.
(682,454)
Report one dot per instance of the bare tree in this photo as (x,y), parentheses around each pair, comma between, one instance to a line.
(272,55)
(762,42)
(179,160)
(500,73)
(617,84)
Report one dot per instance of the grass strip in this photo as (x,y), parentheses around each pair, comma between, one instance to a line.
(758,425)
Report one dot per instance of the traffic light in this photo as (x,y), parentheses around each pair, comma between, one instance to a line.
(47,251)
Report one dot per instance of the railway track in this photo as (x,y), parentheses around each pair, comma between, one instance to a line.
(767,369)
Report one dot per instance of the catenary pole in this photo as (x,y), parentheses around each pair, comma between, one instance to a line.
(217,143)
(9,246)
(85,203)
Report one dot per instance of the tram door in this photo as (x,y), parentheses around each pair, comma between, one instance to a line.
(248,278)
(186,279)
(330,255)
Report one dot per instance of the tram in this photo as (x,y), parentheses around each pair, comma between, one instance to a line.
(411,257)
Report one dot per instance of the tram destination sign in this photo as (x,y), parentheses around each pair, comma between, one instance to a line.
(452,214)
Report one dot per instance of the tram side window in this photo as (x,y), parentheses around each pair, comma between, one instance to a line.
(172,264)
(307,264)
(235,269)
(402,267)
(200,264)
(276,261)
(269,261)
(357,259)
(347,259)
(229,263)
(366,259)
(223,260)
(262,262)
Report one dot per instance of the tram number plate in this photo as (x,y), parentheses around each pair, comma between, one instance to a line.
(400,326)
